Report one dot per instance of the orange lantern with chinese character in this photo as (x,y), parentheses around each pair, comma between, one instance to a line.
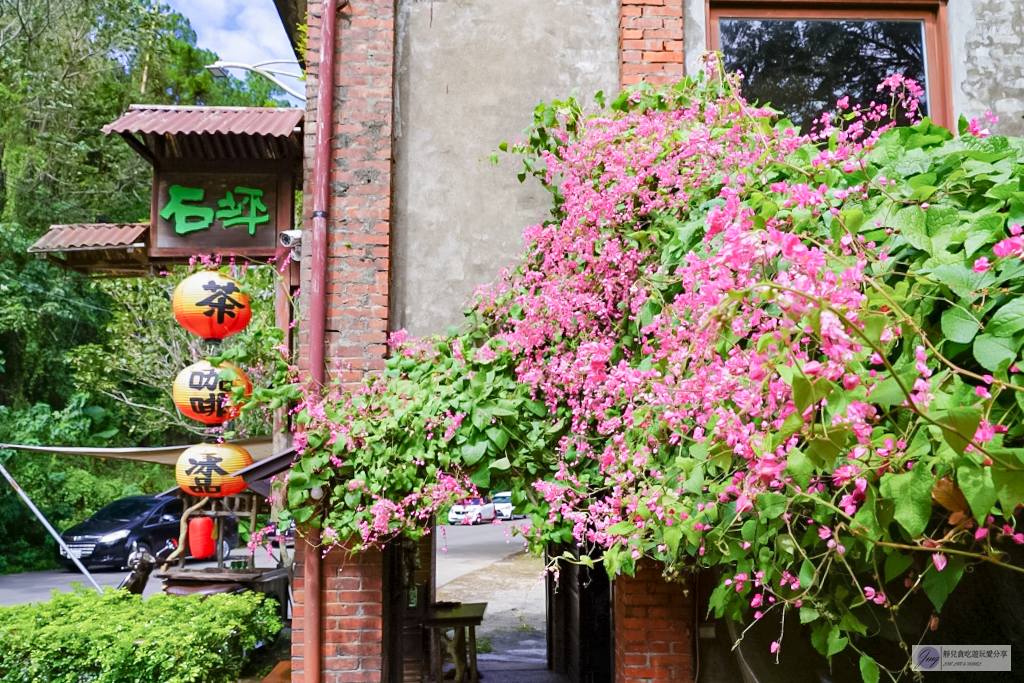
(206,469)
(201,393)
(211,305)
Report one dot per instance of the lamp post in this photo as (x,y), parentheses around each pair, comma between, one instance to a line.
(219,70)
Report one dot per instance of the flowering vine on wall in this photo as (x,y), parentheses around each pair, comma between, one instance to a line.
(793,359)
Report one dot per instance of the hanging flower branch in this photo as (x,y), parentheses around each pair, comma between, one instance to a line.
(791,358)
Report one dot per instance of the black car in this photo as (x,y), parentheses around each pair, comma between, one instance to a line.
(106,538)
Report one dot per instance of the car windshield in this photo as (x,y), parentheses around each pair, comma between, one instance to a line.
(126,509)
(472,501)
(501,500)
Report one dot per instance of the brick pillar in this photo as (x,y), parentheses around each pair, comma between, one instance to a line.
(358,253)
(358,256)
(653,628)
(650,41)
(351,620)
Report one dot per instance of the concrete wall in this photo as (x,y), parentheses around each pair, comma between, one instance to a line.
(986,44)
(468,75)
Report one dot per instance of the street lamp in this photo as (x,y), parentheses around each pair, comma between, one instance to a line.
(219,70)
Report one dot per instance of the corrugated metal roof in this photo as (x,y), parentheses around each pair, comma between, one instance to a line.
(89,236)
(175,120)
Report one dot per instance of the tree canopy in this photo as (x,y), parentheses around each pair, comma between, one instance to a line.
(67,69)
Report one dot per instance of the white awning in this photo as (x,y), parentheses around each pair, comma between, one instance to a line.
(259,448)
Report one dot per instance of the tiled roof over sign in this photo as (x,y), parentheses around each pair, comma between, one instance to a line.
(184,120)
(85,236)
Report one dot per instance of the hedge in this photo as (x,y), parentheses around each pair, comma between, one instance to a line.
(86,637)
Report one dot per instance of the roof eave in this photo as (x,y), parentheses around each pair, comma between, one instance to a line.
(292,15)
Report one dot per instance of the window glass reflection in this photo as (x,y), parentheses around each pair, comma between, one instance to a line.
(802,67)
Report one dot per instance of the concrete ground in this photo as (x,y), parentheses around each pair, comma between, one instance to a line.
(462,549)
(17,589)
(512,585)
(513,589)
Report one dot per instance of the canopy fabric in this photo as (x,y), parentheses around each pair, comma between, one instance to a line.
(259,448)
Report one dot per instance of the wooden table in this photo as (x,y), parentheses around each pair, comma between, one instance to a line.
(271,582)
(463,617)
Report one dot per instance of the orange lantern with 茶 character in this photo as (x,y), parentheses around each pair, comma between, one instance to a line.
(203,392)
(211,305)
(206,469)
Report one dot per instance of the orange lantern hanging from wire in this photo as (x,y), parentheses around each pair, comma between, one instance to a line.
(199,391)
(207,469)
(211,305)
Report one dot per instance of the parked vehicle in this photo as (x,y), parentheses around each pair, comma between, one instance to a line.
(472,511)
(145,523)
(503,505)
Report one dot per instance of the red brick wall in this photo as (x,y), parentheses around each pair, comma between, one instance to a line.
(358,255)
(654,628)
(351,617)
(358,252)
(650,41)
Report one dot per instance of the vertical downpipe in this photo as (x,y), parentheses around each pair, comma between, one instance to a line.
(318,307)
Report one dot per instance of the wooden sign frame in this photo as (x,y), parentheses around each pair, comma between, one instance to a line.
(276,180)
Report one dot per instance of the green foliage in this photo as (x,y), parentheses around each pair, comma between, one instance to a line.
(865,488)
(66,488)
(67,69)
(84,637)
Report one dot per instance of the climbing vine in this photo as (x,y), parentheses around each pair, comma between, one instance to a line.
(789,358)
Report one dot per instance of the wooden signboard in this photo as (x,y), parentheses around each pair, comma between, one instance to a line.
(226,213)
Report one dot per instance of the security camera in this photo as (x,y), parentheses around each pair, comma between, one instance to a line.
(290,239)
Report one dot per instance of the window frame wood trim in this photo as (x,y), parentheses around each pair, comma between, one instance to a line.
(931,12)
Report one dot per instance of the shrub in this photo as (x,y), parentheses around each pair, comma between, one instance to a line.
(116,637)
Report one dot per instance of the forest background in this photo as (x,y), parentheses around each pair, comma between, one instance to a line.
(86,362)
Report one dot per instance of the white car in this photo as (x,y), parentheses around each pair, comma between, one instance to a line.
(503,505)
(472,511)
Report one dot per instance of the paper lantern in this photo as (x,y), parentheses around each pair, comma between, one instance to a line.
(200,537)
(211,305)
(199,393)
(206,469)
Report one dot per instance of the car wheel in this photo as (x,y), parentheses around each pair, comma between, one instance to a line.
(225,548)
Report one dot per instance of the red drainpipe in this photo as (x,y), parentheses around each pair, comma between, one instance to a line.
(318,309)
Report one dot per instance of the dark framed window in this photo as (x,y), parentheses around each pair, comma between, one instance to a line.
(802,56)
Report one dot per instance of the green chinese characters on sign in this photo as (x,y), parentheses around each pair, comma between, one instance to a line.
(249,210)
(187,217)
(244,206)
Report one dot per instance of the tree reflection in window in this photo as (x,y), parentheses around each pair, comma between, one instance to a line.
(802,67)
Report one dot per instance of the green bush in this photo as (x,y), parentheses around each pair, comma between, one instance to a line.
(84,637)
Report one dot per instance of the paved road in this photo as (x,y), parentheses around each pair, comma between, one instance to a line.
(460,550)
(463,549)
(16,589)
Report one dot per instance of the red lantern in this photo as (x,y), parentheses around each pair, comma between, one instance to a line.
(200,537)
(211,305)
(206,469)
(199,393)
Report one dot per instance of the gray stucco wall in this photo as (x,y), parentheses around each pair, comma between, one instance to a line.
(987,42)
(469,73)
